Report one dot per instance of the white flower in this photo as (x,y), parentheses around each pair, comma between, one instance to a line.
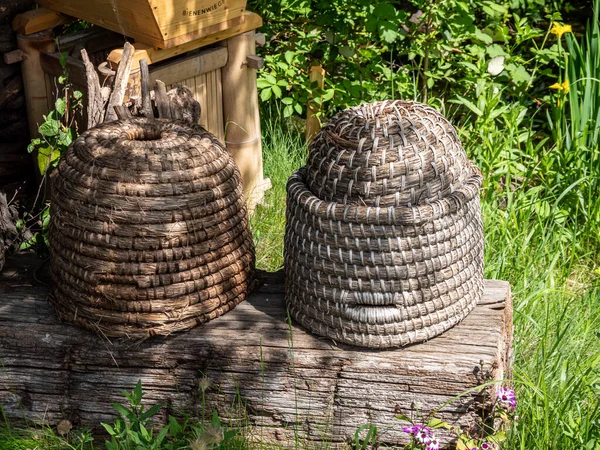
(496,65)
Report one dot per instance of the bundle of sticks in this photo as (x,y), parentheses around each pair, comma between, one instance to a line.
(107,103)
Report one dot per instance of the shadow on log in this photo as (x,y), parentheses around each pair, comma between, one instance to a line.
(290,385)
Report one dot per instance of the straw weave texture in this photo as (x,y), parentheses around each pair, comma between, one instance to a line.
(384,241)
(149,232)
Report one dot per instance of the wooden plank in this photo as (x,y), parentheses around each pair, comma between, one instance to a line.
(131,18)
(251,22)
(204,31)
(295,386)
(37,20)
(50,63)
(181,21)
(189,66)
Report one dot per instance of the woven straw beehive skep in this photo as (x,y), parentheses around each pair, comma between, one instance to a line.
(384,243)
(149,231)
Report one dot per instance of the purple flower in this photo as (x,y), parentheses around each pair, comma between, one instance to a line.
(487,446)
(434,444)
(506,397)
(420,433)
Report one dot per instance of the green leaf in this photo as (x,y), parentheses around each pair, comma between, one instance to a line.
(469,105)
(437,423)
(289,57)
(298,108)
(288,111)
(78,95)
(403,417)
(110,430)
(483,37)
(151,412)
(287,100)
(49,128)
(265,94)
(276,91)
(44,158)
(384,11)
(60,105)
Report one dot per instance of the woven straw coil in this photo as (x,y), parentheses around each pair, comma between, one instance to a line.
(149,231)
(384,243)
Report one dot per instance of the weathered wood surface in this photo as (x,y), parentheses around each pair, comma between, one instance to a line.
(293,385)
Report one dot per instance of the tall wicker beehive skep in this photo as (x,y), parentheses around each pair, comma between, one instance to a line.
(384,242)
(149,231)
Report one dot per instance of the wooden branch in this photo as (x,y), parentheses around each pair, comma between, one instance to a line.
(146,109)
(162,101)
(95,108)
(121,79)
(122,112)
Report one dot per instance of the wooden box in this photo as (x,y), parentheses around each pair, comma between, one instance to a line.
(162,24)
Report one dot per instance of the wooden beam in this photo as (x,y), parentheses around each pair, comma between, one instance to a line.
(152,55)
(296,387)
(242,117)
(38,20)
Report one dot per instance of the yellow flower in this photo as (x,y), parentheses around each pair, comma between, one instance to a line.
(559,30)
(562,87)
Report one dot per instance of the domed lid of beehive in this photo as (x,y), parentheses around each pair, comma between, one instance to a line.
(390,153)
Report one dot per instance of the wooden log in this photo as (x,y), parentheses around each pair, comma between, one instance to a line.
(146,109)
(241,114)
(122,112)
(95,102)
(38,99)
(121,79)
(162,101)
(295,386)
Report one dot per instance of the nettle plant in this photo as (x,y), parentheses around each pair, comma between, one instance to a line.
(60,126)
